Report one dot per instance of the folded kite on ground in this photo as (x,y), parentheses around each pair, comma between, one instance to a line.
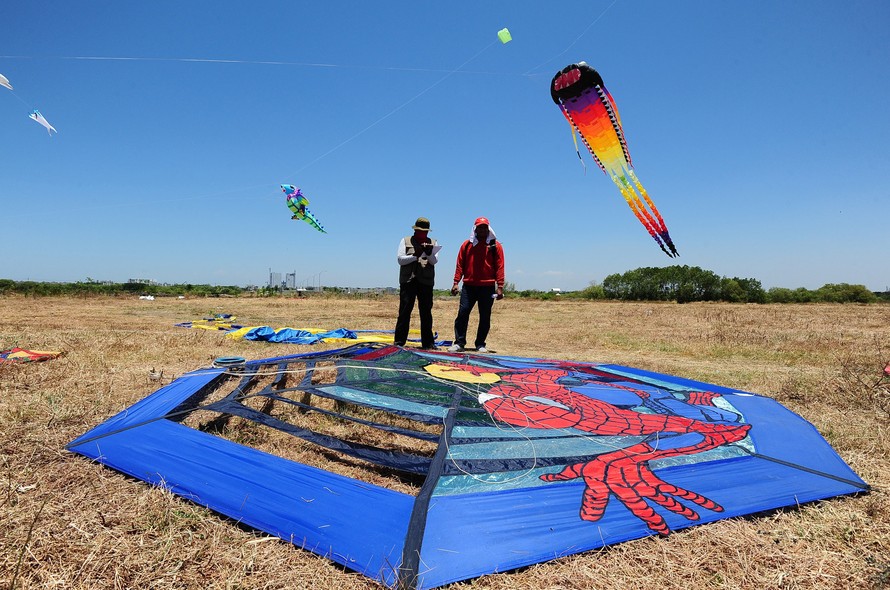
(458,465)
(218,321)
(21,355)
(314,335)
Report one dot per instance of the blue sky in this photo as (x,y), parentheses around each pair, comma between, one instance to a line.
(759,128)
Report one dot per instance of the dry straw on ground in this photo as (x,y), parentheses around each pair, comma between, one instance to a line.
(68,523)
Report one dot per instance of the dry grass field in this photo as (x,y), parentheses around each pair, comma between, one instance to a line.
(68,523)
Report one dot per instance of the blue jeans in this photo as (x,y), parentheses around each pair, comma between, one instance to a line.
(469,296)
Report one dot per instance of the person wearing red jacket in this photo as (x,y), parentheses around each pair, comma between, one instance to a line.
(480,264)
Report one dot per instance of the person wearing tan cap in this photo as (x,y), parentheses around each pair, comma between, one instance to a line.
(417,275)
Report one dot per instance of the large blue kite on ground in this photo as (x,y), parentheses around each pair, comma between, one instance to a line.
(461,465)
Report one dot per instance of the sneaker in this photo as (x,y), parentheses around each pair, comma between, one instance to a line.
(455,348)
(433,347)
(481,349)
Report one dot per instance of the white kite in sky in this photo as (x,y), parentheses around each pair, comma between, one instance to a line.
(35,114)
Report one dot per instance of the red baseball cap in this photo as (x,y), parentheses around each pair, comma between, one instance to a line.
(481,221)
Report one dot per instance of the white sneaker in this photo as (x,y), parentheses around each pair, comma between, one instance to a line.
(455,348)
(481,349)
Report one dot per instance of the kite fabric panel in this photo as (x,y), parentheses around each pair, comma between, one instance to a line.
(464,464)
(314,335)
(217,321)
(591,111)
(22,355)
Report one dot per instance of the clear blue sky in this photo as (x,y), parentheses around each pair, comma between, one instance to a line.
(760,129)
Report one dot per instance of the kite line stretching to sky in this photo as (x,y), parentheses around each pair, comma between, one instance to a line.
(296,202)
(579,91)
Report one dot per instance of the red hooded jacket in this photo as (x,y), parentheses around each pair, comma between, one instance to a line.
(481,264)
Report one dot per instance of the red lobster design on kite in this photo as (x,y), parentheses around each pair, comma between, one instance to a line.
(534,398)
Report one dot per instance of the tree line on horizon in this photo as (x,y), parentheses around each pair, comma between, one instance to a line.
(89,288)
(683,284)
(686,284)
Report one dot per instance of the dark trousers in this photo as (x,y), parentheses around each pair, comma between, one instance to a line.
(408,292)
(470,296)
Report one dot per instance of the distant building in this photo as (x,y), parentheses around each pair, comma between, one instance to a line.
(142,281)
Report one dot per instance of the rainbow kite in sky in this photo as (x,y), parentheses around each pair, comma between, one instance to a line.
(579,91)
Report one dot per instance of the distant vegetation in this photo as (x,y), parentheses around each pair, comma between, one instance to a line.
(683,284)
(36,289)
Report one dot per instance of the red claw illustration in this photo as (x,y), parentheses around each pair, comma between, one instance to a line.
(534,399)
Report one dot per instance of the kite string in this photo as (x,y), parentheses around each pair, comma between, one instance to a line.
(253,62)
(531,72)
(448,73)
(395,110)
(23,101)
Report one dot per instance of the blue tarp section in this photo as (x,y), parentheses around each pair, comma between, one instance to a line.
(483,507)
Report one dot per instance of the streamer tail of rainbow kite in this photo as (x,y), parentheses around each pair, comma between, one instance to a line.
(590,110)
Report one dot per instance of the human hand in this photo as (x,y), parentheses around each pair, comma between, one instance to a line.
(454,289)
(500,294)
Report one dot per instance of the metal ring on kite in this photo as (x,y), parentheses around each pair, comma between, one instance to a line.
(228,361)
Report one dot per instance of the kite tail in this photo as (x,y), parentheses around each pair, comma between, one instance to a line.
(661,227)
(659,222)
(577,151)
(313,221)
(636,205)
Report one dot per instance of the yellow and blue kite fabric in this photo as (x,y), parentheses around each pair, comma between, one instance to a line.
(580,93)
(23,355)
(217,321)
(508,461)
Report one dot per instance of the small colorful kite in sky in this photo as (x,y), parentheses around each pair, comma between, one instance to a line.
(296,202)
(505,36)
(35,114)
(5,82)
(579,91)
